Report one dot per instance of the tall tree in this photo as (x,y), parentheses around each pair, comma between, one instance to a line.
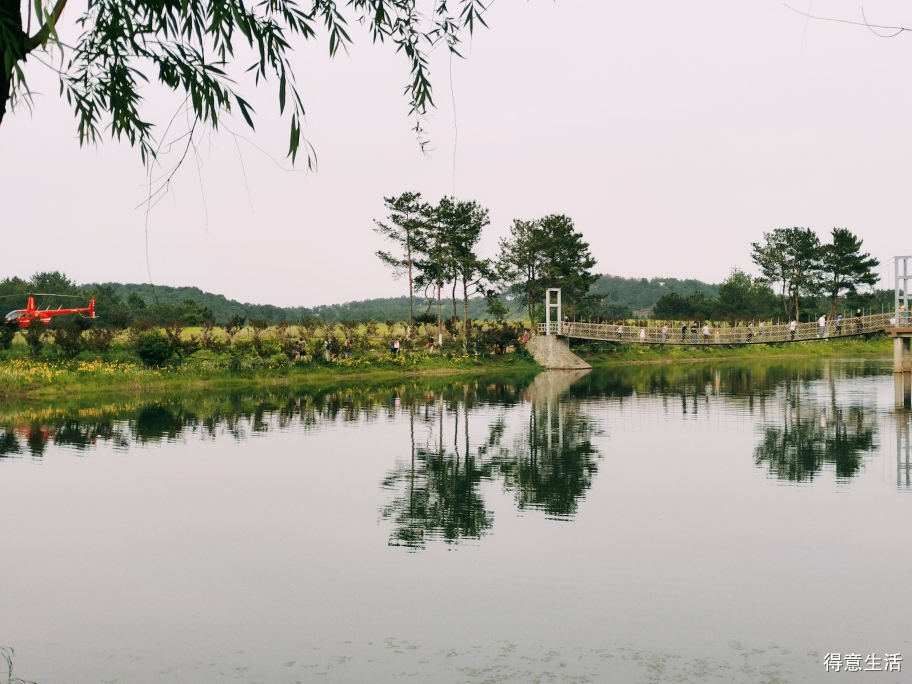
(548,253)
(435,265)
(519,260)
(405,221)
(791,258)
(193,47)
(469,219)
(844,268)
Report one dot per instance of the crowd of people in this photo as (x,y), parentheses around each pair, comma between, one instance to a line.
(693,332)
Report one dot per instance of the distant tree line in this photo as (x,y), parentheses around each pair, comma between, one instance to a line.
(117,302)
(436,250)
(799,274)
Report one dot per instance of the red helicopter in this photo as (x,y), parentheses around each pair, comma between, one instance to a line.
(24,317)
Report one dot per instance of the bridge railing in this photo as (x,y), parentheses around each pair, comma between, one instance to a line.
(741,334)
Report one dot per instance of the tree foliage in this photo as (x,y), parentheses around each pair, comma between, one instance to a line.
(544,254)
(844,268)
(464,223)
(199,48)
(404,228)
(740,297)
(795,260)
(790,258)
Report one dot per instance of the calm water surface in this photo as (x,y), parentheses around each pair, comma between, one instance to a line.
(719,523)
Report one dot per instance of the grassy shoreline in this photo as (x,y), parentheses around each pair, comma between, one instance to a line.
(601,355)
(24,378)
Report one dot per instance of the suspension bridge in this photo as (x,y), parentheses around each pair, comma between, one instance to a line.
(552,353)
(694,334)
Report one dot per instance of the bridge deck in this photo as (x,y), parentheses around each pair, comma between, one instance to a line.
(740,334)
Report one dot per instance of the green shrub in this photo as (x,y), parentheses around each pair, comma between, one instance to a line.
(278,360)
(34,337)
(153,347)
(7,333)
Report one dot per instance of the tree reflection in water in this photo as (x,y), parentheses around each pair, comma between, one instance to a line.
(438,493)
(552,465)
(533,436)
(548,462)
(811,434)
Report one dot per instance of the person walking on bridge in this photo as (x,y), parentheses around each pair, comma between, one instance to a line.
(821,327)
(620,331)
(793,328)
(839,324)
(684,331)
(705,333)
(857,321)
(762,330)
(665,333)
(693,332)
(642,334)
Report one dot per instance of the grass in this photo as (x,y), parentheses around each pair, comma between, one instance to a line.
(600,354)
(120,370)
(21,376)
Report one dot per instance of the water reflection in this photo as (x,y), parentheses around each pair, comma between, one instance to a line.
(811,438)
(812,432)
(542,453)
(551,464)
(437,491)
(538,438)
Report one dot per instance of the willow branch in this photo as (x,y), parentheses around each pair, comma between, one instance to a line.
(41,37)
(898,29)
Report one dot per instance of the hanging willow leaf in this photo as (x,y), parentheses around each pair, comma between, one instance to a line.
(190,47)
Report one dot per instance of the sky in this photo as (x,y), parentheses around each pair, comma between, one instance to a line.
(673,134)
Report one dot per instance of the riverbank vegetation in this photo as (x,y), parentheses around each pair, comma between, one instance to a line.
(66,356)
(607,354)
(135,343)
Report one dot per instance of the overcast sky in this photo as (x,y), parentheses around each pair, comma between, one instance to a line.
(673,134)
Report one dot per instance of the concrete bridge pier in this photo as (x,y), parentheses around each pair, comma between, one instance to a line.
(902,349)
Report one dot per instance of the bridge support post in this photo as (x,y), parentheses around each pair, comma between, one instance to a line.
(555,294)
(901,332)
(902,352)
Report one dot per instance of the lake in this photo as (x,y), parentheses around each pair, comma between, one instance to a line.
(727,522)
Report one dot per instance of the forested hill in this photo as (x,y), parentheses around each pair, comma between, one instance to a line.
(394,308)
(636,293)
(640,293)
